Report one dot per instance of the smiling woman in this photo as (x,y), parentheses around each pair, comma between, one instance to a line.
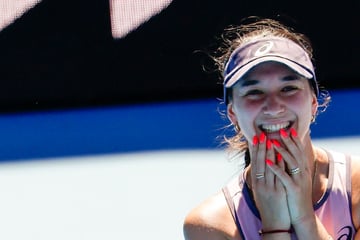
(289,188)
(280,91)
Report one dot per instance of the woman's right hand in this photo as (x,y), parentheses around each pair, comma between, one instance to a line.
(268,191)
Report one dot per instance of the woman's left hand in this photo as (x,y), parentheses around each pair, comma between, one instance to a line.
(296,178)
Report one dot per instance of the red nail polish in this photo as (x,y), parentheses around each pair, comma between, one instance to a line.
(276,142)
(262,137)
(283,133)
(278,157)
(268,144)
(293,132)
(269,162)
(255,140)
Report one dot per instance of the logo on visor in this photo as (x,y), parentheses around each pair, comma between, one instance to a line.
(264,49)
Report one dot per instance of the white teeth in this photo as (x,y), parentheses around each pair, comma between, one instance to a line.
(274,127)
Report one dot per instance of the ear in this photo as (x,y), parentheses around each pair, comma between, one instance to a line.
(314,105)
(231,114)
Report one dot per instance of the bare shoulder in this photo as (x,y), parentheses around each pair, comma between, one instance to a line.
(355,189)
(210,220)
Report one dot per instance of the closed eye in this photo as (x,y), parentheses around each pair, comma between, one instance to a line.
(289,88)
(254,94)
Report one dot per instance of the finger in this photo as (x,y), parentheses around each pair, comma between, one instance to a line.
(254,149)
(258,157)
(296,148)
(294,172)
(270,155)
(279,160)
(284,157)
(281,175)
(294,166)
(278,156)
(300,149)
(293,144)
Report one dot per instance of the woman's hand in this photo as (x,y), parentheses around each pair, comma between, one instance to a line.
(269,193)
(296,179)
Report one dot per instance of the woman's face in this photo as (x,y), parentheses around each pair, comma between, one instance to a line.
(269,97)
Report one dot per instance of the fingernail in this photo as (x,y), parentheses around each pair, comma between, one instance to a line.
(278,157)
(269,162)
(283,133)
(293,132)
(276,142)
(268,144)
(255,140)
(262,137)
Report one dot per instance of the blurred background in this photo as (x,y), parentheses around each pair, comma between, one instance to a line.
(110,113)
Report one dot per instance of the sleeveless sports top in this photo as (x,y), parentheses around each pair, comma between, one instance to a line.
(333,209)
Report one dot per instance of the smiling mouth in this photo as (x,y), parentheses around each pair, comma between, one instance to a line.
(270,128)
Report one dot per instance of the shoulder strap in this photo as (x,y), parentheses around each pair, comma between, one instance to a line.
(228,192)
(229,202)
(348,176)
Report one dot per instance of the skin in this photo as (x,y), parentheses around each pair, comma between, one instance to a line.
(272,94)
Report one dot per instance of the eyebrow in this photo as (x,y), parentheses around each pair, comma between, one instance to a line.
(250,82)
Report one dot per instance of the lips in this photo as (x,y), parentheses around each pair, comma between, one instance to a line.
(270,128)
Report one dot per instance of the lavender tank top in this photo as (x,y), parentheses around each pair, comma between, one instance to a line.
(333,209)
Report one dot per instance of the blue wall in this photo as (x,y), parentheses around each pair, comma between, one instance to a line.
(187,124)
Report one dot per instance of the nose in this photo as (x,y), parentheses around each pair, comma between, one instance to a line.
(273,106)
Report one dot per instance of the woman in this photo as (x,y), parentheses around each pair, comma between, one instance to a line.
(289,188)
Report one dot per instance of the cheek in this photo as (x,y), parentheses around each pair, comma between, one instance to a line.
(245,111)
(304,114)
(246,114)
